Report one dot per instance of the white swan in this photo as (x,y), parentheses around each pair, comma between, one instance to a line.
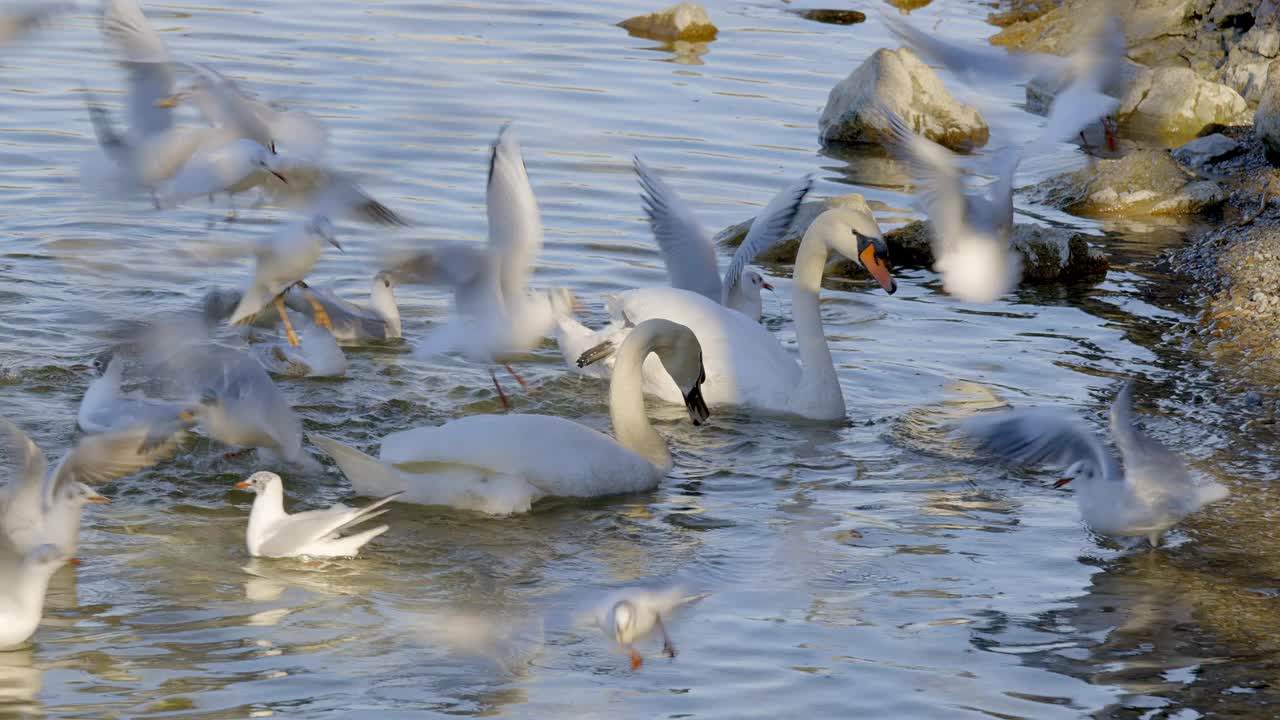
(691,256)
(1151,493)
(746,365)
(502,464)
(272,532)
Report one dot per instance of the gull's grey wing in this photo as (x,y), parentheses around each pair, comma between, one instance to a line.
(766,231)
(687,250)
(18,20)
(1076,107)
(341,197)
(345,316)
(149,64)
(1042,436)
(970,61)
(465,268)
(24,456)
(97,459)
(1143,455)
(298,531)
(515,224)
(935,165)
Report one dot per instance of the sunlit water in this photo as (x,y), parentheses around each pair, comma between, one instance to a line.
(856,570)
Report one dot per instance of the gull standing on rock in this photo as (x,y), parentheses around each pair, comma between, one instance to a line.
(274,533)
(1143,495)
(690,254)
(971,232)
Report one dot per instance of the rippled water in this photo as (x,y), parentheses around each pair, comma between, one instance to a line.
(860,569)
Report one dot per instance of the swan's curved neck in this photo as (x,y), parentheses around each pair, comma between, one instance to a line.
(818,373)
(383,301)
(626,401)
(268,508)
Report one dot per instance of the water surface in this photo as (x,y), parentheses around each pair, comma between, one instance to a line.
(860,569)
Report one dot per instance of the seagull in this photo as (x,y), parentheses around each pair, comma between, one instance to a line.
(494,314)
(285,259)
(352,323)
(1081,78)
(105,407)
(1143,495)
(971,232)
(232,168)
(18,20)
(691,256)
(24,579)
(315,533)
(317,355)
(630,616)
(42,506)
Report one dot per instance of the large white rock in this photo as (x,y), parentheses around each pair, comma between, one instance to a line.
(1266,121)
(687,21)
(1173,104)
(911,89)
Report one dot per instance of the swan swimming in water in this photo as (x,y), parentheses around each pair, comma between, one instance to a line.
(502,464)
(746,365)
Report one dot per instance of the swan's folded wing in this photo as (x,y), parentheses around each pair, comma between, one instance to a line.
(689,254)
(1040,436)
(768,230)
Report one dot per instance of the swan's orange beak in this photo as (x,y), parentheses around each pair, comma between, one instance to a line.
(1062,482)
(878,268)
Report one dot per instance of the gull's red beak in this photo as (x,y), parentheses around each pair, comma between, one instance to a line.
(766,285)
(1062,482)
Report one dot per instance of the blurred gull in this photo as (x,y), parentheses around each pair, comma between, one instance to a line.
(352,324)
(1082,79)
(632,615)
(106,407)
(275,533)
(18,19)
(494,313)
(503,464)
(316,355)
(971,232)
(232,168)
(691,256)
(43,506)
(285,258)
(235,402)
(1151,493)
(24,578)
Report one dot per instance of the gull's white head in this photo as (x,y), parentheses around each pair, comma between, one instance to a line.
(259,481)
(80,495)
(262,158)
(621,621)
(755,281)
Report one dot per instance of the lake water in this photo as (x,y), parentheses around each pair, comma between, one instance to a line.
(856,570)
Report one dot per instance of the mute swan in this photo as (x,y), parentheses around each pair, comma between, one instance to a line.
(502,464)
(272,532)
(691,256)
(1151,493)
(746,365)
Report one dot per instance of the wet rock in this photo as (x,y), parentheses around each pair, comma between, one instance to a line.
(1049,254)
(1207,150)
(687,21)
(911,89)
(833,17)
(1174,104)
(1145,182)
(1266,121)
